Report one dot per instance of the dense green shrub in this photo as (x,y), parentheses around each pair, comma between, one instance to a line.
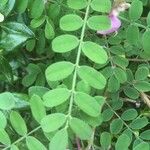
(63,86)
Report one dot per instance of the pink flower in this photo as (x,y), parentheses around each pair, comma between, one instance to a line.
(115,25)
(115,21)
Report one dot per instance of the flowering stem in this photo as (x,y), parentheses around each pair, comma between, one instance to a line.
(78,143)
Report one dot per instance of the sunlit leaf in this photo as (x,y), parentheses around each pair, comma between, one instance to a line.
(99,23)
(92,77)
(80,128)
(59,71)
(52,122)
(77,4)
(37,108)
(59,141)
(64,43)
(7,101)
(33,143)
(87,104)
(71,22)
(94,52)
(56,97)
(18,123)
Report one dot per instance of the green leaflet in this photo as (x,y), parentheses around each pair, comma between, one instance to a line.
(33,143)
(64,43)
(36,22)
(17,34)
(143,145)
(87,104)
(56,97)
(7,101)
(59,71)
(80,128)
(37,8)
(92,77)
(139,123)
(7,6)
(53,122)
(133,34)
(99,23)
(135,10)
(21,6)
(59,140)
(4,137)
(145,41)
(123,142)
(120,74)
(94,52)
(145,135)
(142,86)
(37,108)
(71,22)
(148,19)
(116,126)
(14,147)
(105,139)
(78,4)
(141,73)
(131,92)
(3,120)
(49,30)
(18,123)
(129,114)
(101,6)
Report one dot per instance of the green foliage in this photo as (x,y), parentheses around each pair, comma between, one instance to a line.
(123,142)
(15,34)
(63,86)
(99,23)
(129,114)
(105,139)
(94,52)
(89,105)
(65,43)
(116,126)
(78,4)
(80,128)
(59,71)
(56,97)
(135,10)
(60,140)
(18,123)
(4,137)
(71,22)
(7,101)
(33,143)
(3,120)
(101,6)
(52,122)
(94,78)
(143,145)
(37,108)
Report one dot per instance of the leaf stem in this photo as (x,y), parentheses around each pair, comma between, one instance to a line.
(134,23)
(22,138)
(90,142)
(138,60)
(137,136)
(78,59)
(78,143)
